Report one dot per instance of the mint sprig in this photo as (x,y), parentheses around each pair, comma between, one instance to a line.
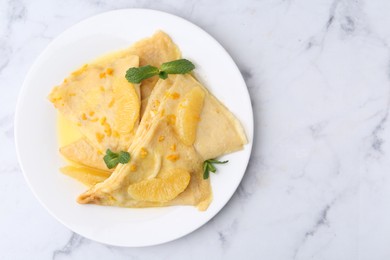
(112,159)
(137,74)
(208,166)
(181,66)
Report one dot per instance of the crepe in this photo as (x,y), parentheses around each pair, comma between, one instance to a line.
(157,164)
(159,132)
(97,98)
(151,51)
(83,153)
(218,132)
(154,51)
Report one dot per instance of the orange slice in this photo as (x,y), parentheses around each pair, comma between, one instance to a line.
(161,190)
(126,106)
(86,175)
(188,115)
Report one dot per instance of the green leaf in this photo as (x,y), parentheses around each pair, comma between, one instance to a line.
(110,153)
(124,157)
(163,75)
(211,168)
(181,66)
(216,161)
(208,166)
(136,75)
(112,159)
(206,173)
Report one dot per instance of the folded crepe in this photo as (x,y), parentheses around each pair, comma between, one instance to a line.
(83,153)
(183,125)
(151,51)
(154,159)
(101,102)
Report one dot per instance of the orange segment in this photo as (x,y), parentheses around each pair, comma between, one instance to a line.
(126,106)
(86,175)
(161,190)
(188,115)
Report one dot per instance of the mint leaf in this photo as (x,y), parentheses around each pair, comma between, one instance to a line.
(181,66)
(208,166)
(216,161)
(163,75)
(211,167)
(110,153)
(124,157)
(136,75)
(112,159)
(206,172)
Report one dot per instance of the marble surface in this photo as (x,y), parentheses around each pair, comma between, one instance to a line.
(318,182)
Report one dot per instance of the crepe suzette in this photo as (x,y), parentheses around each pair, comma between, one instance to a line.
(101,102)
(171,144)
(175,136)
(85,84)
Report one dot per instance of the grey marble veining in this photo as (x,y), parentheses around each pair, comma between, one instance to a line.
(317,185)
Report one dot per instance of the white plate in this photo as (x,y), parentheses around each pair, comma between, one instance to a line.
(35,126)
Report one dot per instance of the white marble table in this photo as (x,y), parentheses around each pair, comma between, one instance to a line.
(318,183)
